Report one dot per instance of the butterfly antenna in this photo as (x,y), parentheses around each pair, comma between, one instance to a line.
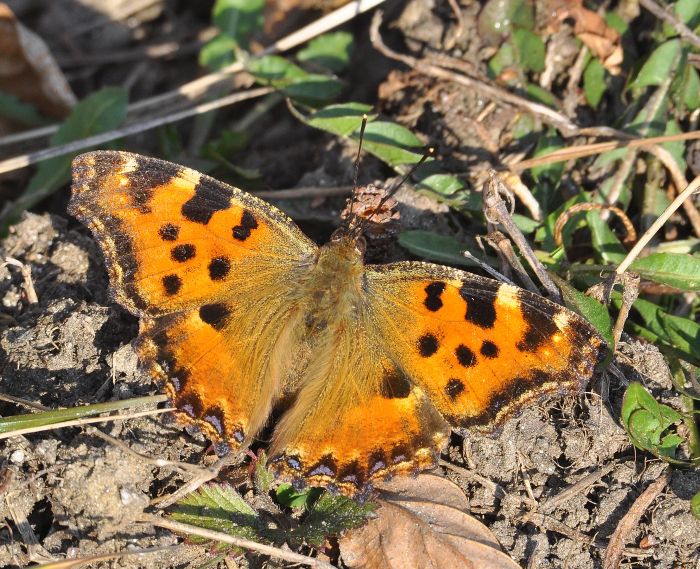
(353,197)
(391,191)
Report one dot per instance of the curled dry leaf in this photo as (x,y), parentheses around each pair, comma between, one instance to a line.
(423,522)
(592,30)
(28,70)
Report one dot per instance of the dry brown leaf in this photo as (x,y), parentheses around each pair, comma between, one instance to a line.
(28,70)
(591,28)
(423,522)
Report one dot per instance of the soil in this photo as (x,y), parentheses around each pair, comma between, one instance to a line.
(69,493)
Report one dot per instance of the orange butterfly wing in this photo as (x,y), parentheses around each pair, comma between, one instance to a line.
(175,239)
(479,349)
(210,269)
(431,344)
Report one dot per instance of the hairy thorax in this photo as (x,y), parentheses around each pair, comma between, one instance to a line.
(332,288)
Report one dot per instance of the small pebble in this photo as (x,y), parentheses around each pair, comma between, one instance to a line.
(17,457)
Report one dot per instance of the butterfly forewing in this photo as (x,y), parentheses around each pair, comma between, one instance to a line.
(174,239)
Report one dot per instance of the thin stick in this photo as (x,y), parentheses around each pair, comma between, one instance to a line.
(658,224)
(33,157)
(613,554)
(583,150)
(269,550)
(80,422)
(198,87)
(661,13)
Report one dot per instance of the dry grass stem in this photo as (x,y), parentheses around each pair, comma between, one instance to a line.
(630,231)
(658,224)
(81,422)
(614,551)
(269,550)
(91,141)
(660,12)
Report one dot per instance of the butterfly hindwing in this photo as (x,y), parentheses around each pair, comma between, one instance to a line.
(479,349)
(175,239)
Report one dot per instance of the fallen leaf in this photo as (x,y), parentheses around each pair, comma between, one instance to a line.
(423,522)
(591,28)
(28,71)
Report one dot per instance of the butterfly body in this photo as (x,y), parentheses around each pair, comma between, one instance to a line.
(241,312)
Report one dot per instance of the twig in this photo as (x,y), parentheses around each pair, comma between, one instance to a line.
(583,150)
(579,486)
(28,282)
(269,550)
(25,402)
(204,476)
(198,87)
(613,554)
(496,489)
(74,562)
(27,159)
(546,114)
(495,209)
(661,13)
(159,462)
(630,232)
(80,422)
(658,224)
(305,192)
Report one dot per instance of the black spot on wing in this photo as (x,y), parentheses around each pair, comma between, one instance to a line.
(214,314)
(465,356)
(169,232)
(172,284)
(453,388)
(489,349)
(395,385)
(481,304)
(427,345)
(242,231)
(219,267)
(183,252)
(209,197)
(433,294)
(190,403)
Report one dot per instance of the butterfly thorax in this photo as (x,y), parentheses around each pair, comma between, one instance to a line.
(332,287)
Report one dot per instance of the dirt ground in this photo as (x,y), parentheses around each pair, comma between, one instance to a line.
(68,492)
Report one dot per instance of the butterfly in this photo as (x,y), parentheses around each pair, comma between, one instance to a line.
(368,366)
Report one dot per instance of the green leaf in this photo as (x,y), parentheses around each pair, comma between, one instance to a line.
(330,515)
(341,120)
(330,51)
(660,65)
(291,498)
(392,143)
(646,421)
(524,223)
(695,505)
(434,247)
(452,190)
(218,52)
(293,81)
(677,332)
(537,93)
(592,310)
(673,269)
(218,507)
(605,242)
(503,59)
(688,12)
(530,48)
(16,110)
(594,86)
(238,19)
(99,112)
(689,89)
